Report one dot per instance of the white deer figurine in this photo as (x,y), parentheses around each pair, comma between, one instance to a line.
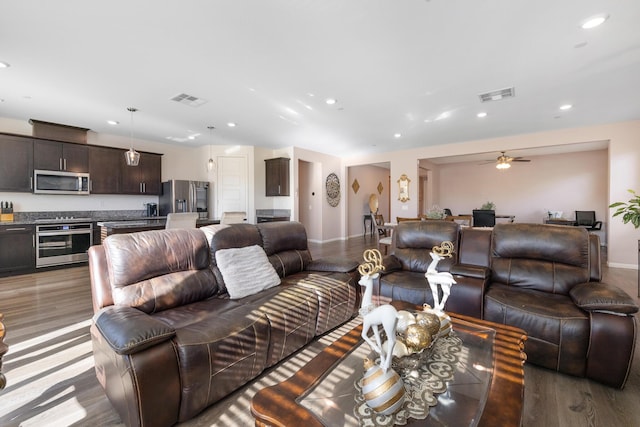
(375,316)
(445,280)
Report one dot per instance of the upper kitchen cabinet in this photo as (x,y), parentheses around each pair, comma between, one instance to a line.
(277,176)
(60,156)
(144,178)
(16,163)
(105,169)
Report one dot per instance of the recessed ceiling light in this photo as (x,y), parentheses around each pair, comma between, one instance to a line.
(331,101)
(443,115)
(481,114)
(231,124)
(113,122)
(397,135)
(594,21)
(566,107)
(4,65)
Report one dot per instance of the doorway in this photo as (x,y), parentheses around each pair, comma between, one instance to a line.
(310,198)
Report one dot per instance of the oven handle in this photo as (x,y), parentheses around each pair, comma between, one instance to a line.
(58,233)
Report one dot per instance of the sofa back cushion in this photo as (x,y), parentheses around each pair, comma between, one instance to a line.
(416,239)
(285,243)
(541,257)
(157,270)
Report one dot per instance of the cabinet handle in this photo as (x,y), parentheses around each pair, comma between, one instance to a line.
(60,163)
(278,188)
(33,240)
(65,164)
(31,182)
(15,229)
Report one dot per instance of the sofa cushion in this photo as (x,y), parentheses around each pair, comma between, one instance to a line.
(535,256)
(246,270)
(336,296)
(285,243)
(221,345)
(292,312)
(415,239)
(558,330)
(158,270)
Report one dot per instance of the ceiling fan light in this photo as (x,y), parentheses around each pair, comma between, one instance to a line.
(503,165)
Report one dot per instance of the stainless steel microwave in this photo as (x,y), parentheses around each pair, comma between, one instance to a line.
(56,182)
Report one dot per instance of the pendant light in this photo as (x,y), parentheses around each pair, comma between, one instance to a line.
(132,157)
(211,165)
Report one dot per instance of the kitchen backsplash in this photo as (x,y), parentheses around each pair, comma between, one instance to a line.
(95,215)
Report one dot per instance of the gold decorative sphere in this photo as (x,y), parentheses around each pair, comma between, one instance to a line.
(417,338)
(430,321)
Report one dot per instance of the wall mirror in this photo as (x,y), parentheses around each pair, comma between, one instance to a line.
(403,185)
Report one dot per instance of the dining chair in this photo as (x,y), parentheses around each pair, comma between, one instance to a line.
(384,234)
(181,220)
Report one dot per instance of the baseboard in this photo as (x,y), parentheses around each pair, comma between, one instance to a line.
(619,265)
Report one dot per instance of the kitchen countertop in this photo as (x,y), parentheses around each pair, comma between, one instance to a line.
(158,222)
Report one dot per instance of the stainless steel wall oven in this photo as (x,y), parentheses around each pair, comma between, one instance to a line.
(58,244)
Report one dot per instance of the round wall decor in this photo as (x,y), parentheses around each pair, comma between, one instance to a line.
(333,189)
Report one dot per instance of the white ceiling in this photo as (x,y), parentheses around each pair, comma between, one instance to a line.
(393,66)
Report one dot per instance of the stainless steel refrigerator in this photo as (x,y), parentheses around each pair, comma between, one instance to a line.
(185,196)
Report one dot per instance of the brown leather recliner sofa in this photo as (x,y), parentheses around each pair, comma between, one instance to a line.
(168,338)
(545,279)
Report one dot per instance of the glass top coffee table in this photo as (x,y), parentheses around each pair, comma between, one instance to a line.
(487,387)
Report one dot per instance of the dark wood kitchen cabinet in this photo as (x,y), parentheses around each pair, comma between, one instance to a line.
(277,176)
(144,178)
(17,248)
(16,163)
(60,156)
(105,164)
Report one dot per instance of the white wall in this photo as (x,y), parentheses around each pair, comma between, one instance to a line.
(624,170)
(333,218)
(368,178)
(561,182)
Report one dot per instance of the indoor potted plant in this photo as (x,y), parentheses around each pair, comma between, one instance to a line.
(630,210)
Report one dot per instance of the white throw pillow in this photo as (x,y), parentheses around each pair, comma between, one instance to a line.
(246,271)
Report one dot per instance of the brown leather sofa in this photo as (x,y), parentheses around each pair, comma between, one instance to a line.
(168,340)
(545,279)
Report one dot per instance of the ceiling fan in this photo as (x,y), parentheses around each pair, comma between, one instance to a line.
(504,162)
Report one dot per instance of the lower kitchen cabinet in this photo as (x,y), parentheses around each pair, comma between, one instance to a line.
(17,249)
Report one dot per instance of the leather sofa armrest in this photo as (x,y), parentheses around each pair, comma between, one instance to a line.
(391,264)
(128,330)
(467,270)
(333,264)
(592,296)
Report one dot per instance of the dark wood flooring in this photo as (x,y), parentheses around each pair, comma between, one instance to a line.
(50,376)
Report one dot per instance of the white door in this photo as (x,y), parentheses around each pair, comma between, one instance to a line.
(232,185)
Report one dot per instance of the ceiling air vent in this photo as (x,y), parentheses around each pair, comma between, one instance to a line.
(497,95)
(190,100)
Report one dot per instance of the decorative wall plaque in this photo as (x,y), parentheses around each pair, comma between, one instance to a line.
(333,189)
(403,184)
(355,186)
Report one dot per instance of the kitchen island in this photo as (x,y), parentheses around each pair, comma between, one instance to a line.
(108,228)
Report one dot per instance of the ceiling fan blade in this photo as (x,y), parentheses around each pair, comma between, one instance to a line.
(519,159)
